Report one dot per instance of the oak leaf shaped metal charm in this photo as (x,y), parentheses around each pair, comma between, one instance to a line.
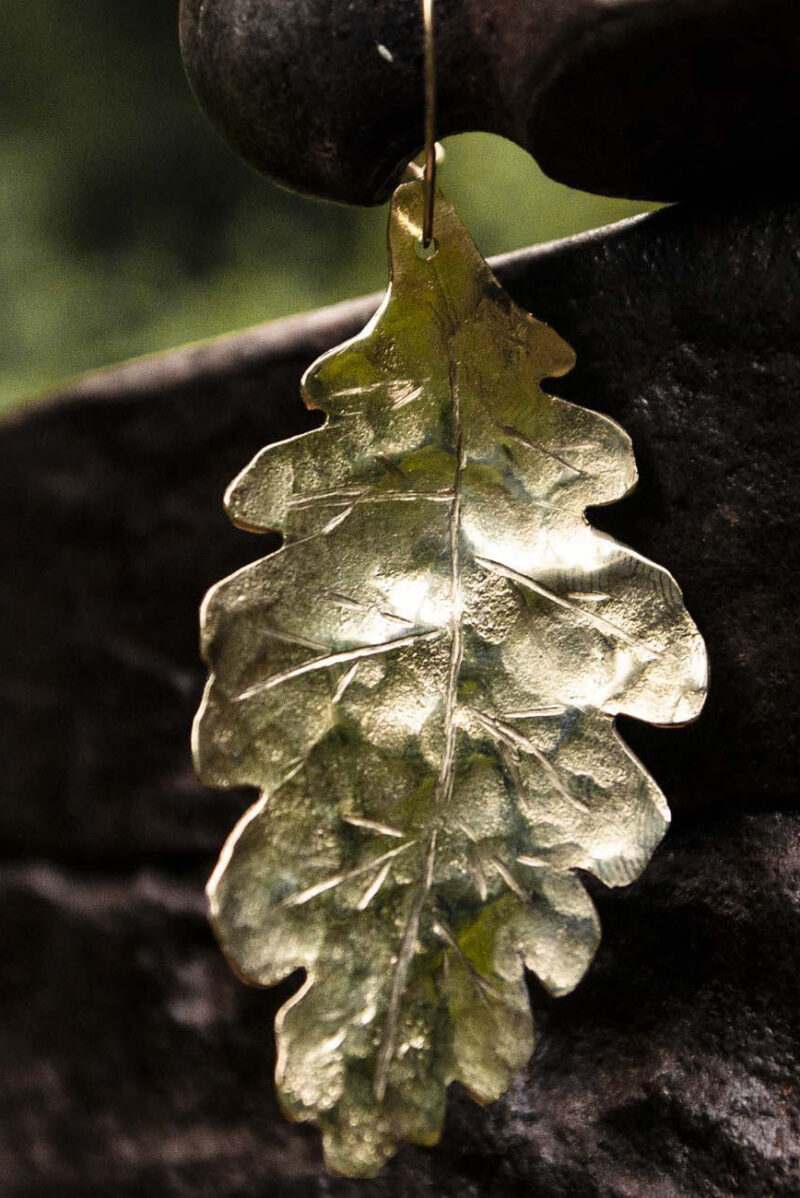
(423,682)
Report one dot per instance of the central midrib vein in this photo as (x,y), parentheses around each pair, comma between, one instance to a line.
(444,783)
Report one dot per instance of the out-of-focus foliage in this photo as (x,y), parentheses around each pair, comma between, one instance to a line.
(126,226)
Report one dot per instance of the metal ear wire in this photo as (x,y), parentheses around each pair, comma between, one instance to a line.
(429,173)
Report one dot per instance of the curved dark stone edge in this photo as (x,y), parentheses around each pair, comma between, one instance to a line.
(685,325)
(666,99)
(133,1063)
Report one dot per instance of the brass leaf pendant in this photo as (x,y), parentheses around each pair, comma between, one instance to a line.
(423,683)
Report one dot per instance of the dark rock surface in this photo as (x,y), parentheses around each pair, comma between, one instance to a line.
(134,1065)
(686,326)
(130,1061)
(662,99)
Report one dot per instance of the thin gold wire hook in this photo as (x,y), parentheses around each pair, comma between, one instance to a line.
(430,121)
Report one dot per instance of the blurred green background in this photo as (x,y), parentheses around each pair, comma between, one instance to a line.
(127,226)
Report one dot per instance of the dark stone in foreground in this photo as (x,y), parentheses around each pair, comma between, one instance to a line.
(663,99)
(131,1062)
(134,1064)
(686,326)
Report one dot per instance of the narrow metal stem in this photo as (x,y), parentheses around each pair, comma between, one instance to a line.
(430,121)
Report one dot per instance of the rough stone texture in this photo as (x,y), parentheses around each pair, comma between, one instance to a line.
(661,99)
(130,1061)
(134,1064)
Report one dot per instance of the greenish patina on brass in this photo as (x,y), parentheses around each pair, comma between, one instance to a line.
(423,683)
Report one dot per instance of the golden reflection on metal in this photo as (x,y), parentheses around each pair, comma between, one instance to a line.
(423,683)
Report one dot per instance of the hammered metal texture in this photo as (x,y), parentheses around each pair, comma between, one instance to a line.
(423,683)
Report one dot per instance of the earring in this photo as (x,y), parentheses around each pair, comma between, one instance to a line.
(423,683)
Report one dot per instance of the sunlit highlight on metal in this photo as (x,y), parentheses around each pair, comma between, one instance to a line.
(423,683)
